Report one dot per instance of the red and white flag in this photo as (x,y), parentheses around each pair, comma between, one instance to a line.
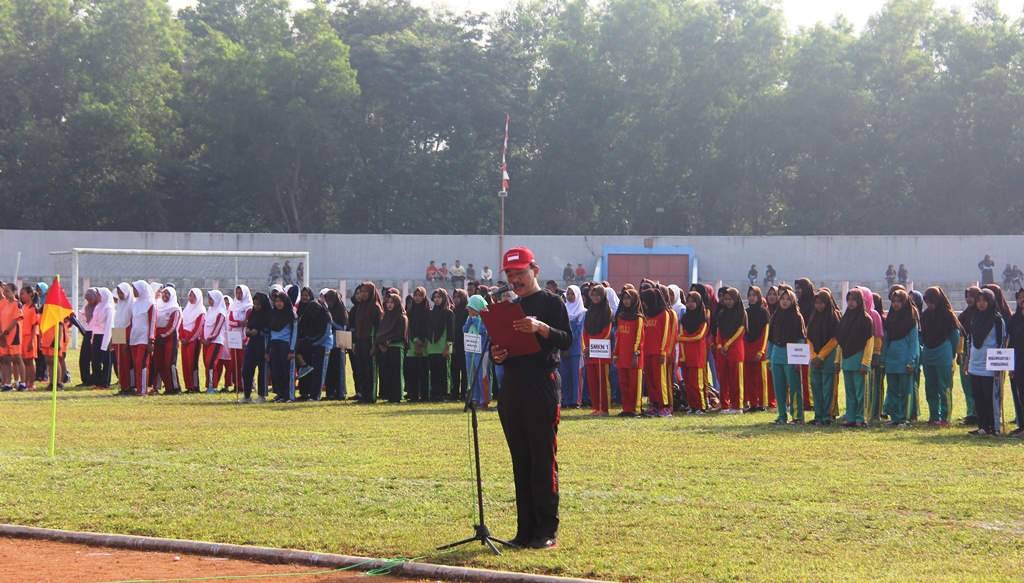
(504,167)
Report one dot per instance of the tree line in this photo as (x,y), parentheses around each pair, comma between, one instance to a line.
(664,117)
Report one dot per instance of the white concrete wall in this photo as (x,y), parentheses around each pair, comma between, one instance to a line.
(930,259)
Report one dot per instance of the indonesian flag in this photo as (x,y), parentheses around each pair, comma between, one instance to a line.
(57,307)
(504,167)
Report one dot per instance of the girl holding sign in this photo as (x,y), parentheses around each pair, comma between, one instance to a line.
(629,348)
(856,337)
(1015,334)
(693,351)
(901,350)
(987,331)
(940,338)
(786,327)
(597,326)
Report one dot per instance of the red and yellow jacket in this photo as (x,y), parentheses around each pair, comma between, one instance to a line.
(629,339)
(693,348)
(659,338)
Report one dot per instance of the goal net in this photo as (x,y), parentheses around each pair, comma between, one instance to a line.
(206,270)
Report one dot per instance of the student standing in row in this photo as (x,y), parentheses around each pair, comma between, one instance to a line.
(822,336)
(732,324)
(1015,337)
(190,334)
(987,331)
(214,338)
(963,357)
(440,331)
(571,361)
(390,340)
(693,347)
(900,354)
(786,327)
(856,337)
(597,325)
(165,349)
(417,380)
(940,340)
(659,340)
(237,317)
(755,344)
(629,349)
(282,331)
(254,365)
(874,390)
(122,320)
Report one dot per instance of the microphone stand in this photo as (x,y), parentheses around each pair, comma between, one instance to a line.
(482,533)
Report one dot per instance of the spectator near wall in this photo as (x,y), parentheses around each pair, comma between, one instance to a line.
(458,275)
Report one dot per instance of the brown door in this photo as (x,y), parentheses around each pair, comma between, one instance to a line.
(665,269)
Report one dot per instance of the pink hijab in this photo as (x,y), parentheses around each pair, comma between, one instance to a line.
(869,308)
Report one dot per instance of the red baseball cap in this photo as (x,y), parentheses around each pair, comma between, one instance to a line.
(517,258)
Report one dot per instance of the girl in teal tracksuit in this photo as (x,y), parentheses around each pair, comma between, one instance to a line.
(856,346)
(786,327)
(901,350)
(940,340)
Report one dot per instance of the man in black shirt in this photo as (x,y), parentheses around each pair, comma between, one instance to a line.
(529,402)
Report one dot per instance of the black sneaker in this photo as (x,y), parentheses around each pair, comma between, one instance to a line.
(544,543)
(520,541)
(6,388)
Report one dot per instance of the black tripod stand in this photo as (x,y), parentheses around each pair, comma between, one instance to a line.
(482,533)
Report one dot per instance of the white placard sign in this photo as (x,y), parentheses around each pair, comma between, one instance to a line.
(999,359)
(343,339)
(600,349)
(471,342)
(235,339)
(119,336)
(798,353)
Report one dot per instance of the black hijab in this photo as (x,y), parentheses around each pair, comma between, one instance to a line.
(598,315)
(806,301)
(1015,327)
(369,312)
(983,321)
(654,302)
(418,314)
(259,320)
(394,326)
(692,320)
(632,312)
(280,319)
(899,323)
(824,325)
(967,316)
(856,326)
(730,320)
(441,319)
(337,309)
(939,322)
(757,316)
(786,326)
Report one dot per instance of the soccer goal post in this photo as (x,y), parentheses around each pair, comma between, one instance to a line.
(82,268)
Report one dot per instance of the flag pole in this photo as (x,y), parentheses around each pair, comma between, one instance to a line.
(53,383)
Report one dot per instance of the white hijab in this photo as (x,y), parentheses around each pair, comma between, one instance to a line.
(240,307)
(123,309)
(144,302)
(192,311)
(679,307)
(168,307)
(613,299)
(105,308)
(575,307)
(216,309)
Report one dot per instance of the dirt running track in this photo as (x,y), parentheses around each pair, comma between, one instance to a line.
(36,561)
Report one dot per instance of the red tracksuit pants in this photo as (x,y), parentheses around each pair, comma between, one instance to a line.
(165,364)
(658,388)
(140,361)
(630,381)
(755,383)
(190,358)
(730,383)
(211,357)
(599,384)
(234,377)
(693,384)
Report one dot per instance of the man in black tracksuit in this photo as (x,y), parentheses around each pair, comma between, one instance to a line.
(529,402)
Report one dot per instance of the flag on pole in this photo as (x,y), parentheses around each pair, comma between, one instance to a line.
(504,168)
(57,307)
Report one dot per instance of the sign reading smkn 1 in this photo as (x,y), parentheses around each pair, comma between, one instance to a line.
(471,343)
(798,353)
(999,359)
(600,349)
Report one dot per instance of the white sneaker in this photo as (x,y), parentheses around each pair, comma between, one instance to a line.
(259,400)
(738,411)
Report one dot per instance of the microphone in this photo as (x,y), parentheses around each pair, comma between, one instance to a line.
(500,290)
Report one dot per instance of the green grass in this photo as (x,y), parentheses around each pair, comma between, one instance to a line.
(717,498)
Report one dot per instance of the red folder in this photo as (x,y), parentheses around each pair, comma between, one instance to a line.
(498,319)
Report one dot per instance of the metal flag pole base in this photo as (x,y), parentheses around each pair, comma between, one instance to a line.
(482,533)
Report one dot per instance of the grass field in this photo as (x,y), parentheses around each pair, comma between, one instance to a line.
(714,498)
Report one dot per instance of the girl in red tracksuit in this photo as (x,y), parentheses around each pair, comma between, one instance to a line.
(165,357)
(214,338)
(659,341)
(732,324)
(142,334)
(191,335)
(597,325)
(237,317)
(629,347)
(693,351)
(755,346)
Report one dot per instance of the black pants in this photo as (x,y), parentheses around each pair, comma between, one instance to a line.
(281,370)
(334,385)
(529,411)
(311,386)
(440,376)
(985,399)
(362,368)
(417,381)
(1017,389)
(100,361)
(389,371)
(255,359)
(460,381)
(85,360)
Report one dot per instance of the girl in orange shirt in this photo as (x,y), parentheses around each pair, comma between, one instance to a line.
(29,333)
